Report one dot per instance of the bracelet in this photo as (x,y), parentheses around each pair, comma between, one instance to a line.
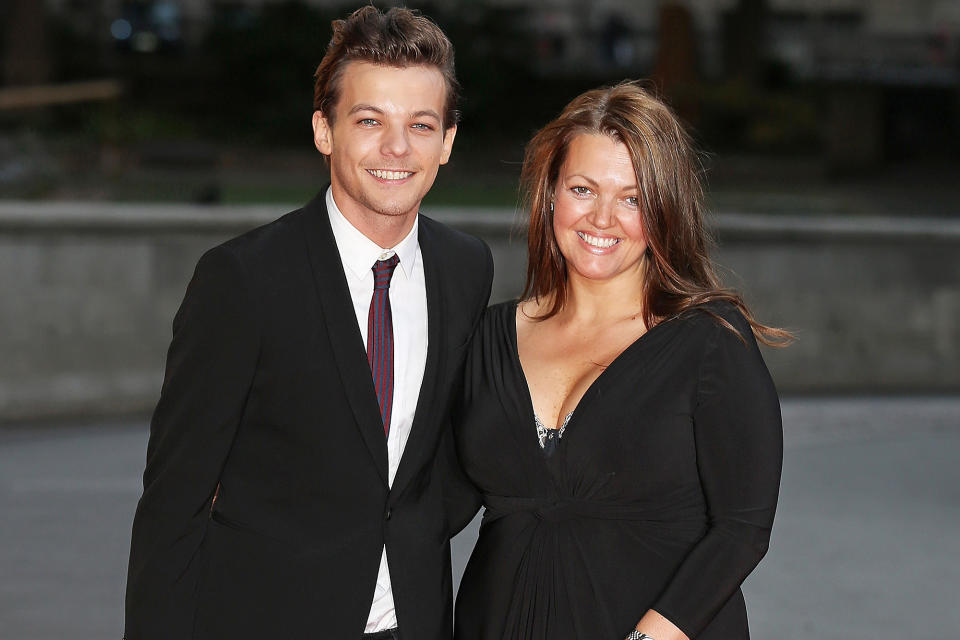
(636,635)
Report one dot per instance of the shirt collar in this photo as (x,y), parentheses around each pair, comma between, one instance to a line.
(358,252)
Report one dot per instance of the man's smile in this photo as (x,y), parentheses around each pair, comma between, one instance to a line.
(390,174)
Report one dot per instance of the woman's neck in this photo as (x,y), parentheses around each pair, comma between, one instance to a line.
(597,303)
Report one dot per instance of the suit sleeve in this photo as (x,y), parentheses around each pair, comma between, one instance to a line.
(739,446)
(461,498)
(209,369)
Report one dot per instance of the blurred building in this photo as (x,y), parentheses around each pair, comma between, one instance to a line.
(886,73)
(916,41)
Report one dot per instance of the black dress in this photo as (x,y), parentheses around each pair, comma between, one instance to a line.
(660,494)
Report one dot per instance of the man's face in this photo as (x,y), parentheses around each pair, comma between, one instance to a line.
(387,140)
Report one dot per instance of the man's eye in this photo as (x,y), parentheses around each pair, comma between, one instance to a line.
(368,122)
(423,126)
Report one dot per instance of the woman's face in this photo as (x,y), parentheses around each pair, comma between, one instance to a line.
(596,215)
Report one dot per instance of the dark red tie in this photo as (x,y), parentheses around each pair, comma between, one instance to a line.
(380,337)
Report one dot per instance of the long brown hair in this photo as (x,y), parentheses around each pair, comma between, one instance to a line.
(679,273)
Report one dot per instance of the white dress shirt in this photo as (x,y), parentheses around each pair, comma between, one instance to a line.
(408,305)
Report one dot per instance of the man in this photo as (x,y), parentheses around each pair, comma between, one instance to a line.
(299,459)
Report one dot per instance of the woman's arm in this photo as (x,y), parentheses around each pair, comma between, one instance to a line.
(739,447)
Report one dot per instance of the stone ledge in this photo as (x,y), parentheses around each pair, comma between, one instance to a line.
(78,217)
(89,291)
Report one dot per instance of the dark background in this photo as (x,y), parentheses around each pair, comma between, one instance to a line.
(210,101)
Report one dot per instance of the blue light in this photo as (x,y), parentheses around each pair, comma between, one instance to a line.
(121,29)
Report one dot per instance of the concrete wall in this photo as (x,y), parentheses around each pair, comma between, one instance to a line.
(88,292)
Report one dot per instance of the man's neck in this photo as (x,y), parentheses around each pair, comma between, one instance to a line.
(385,230)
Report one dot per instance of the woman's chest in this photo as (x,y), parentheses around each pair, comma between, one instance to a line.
(559,366)
(631,431)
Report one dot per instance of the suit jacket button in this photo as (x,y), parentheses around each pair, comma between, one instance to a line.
(388,514)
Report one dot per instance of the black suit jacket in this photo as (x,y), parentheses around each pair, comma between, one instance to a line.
(268,396)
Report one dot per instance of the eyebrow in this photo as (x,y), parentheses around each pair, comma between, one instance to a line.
(364,107)
(593,183)
(427,113)
(423,113)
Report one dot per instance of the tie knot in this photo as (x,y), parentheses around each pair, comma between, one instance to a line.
(383,271)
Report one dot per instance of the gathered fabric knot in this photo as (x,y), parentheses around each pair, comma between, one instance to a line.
(680,515)
(556,511)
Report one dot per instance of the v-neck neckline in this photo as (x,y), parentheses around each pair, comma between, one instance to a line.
(575,413)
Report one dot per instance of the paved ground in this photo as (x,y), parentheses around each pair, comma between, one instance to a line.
(865,545)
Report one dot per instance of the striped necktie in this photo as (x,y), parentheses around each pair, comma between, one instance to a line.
(380,337)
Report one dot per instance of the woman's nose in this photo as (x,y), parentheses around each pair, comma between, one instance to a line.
(603,214)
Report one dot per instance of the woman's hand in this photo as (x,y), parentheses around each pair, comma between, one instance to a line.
(659,628)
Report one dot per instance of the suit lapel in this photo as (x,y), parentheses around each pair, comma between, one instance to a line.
(413,451)
(341,323)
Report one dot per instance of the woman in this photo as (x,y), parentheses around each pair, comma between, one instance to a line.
(618,420)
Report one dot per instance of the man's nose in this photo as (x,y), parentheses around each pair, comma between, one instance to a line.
(395,142)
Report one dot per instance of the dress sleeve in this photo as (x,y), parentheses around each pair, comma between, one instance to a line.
(210,366)
(461,498)
(739,447)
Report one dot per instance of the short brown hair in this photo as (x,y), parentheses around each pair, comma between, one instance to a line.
(679,273)
(398,38)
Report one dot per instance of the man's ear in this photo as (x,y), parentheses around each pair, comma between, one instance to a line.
(322,134)
(448,136)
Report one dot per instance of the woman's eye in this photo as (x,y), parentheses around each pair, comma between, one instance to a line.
(633,201)
(580,191)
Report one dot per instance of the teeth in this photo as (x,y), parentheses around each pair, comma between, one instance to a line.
(594,241)
(390,175)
